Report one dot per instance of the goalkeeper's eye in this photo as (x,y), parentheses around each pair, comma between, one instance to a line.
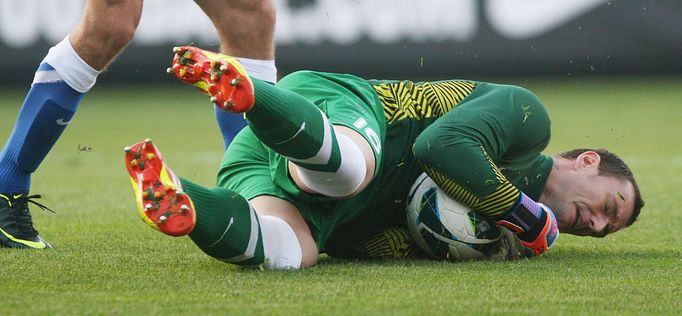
(611,211)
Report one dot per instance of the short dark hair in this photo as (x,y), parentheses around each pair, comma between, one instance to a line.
(612,165)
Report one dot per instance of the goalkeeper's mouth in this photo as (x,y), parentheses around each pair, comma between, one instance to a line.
(580,222)
(571,219)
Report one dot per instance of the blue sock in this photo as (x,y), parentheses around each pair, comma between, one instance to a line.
(230,124)
(45,113)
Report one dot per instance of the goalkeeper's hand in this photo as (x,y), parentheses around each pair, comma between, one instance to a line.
(548,233)
(509,248)
(543,232)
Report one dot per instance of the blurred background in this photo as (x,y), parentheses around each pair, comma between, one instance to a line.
(429,39)
(609,73)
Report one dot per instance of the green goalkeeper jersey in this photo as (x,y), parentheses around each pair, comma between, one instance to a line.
(490,139)
(486,139)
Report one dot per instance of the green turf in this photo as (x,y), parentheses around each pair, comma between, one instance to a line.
(106,261)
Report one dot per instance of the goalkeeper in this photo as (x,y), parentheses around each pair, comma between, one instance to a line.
(327,160)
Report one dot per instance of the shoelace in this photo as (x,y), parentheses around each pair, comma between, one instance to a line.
(24,221)
(30,198)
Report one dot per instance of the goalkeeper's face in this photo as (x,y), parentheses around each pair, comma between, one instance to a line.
(589,204)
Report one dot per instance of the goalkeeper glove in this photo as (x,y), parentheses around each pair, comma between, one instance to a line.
(534,223)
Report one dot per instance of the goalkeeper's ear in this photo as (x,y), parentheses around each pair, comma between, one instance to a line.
(588,160)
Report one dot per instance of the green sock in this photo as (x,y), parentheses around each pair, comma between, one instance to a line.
(293,127)
(227,228)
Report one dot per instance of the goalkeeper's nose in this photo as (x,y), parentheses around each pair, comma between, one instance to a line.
(599,225)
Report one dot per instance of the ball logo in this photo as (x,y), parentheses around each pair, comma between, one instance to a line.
(62,122)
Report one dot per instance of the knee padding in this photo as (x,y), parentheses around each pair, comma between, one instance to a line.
(280,244)
(347,178)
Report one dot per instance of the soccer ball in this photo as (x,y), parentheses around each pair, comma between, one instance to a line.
(446,229)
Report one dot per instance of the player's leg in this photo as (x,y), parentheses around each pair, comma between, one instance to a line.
(68,71)
(315,118)
(334,161)
(330,160)
(246,29)
(104,30)
(221,222)
(265,230)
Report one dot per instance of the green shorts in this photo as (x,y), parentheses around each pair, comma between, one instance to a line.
(252,169)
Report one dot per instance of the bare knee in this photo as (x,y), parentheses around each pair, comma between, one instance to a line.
(272,206)
(264,10)
(105,28)
(219,8)
(246,27)
(121,33)
(262,6)
(112,21)
(256,38)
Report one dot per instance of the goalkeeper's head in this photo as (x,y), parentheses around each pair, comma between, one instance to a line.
(592,193)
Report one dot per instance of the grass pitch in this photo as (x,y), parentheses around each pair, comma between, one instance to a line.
(106,261)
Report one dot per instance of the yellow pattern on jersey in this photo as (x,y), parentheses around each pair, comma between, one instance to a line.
(405,99)
(408,100)
(390,243)
(493,205)
(453,189)
(503,198)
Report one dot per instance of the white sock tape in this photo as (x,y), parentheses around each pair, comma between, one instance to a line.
(280,244)
(346,180)
(74,70)
(260,69)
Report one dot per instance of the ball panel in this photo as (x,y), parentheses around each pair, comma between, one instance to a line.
(446,229)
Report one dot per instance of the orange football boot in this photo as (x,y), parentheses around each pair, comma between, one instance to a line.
(220,76)
(158,192)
